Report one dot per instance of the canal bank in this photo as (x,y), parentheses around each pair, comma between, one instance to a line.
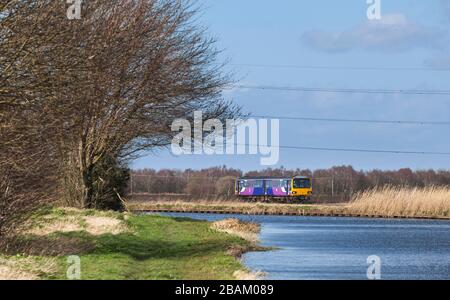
(123,246)
(311,210)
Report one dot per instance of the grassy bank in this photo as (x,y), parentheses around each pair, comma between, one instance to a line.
(387,202)
(124,246)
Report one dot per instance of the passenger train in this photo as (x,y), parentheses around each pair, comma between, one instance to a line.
(274,189)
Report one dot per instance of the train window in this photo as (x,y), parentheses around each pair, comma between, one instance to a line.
(276,183)
(243,183)
(271,183)
(257,183)
(302,183)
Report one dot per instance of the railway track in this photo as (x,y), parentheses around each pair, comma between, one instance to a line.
(304,213)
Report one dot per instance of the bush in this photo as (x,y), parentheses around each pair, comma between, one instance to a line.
(110,180)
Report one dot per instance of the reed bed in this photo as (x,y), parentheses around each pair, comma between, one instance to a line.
(407,202)
(223,206)
(247,230)
(430,202)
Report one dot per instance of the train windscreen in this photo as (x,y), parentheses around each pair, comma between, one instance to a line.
(302,183)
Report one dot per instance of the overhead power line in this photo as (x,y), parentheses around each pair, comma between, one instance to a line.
(366,150)
(311,67)
(401,122)
(362,150)
(344,90)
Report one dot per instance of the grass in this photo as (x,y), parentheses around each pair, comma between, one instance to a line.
(151,247)
(410,202)
(21,267)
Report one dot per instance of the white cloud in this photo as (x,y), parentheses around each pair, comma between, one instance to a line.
(393,33)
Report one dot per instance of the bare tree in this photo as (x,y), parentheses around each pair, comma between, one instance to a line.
(139,66)
(27,152)
(225,187)
(78,98)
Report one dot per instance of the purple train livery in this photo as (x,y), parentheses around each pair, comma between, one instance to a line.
(298,187)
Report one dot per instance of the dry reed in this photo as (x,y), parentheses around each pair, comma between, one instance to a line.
(410,202)
(247,230)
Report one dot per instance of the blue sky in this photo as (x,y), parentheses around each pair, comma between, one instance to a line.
(411,34)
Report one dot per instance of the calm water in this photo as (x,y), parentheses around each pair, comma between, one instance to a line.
(338,248)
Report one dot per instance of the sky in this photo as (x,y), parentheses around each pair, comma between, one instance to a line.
(409,48)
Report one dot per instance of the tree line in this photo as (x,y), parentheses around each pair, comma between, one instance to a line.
(80,98)
(336,183)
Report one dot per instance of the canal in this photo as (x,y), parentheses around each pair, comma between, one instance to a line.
(339,248)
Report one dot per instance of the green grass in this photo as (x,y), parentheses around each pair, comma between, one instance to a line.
(157,248)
